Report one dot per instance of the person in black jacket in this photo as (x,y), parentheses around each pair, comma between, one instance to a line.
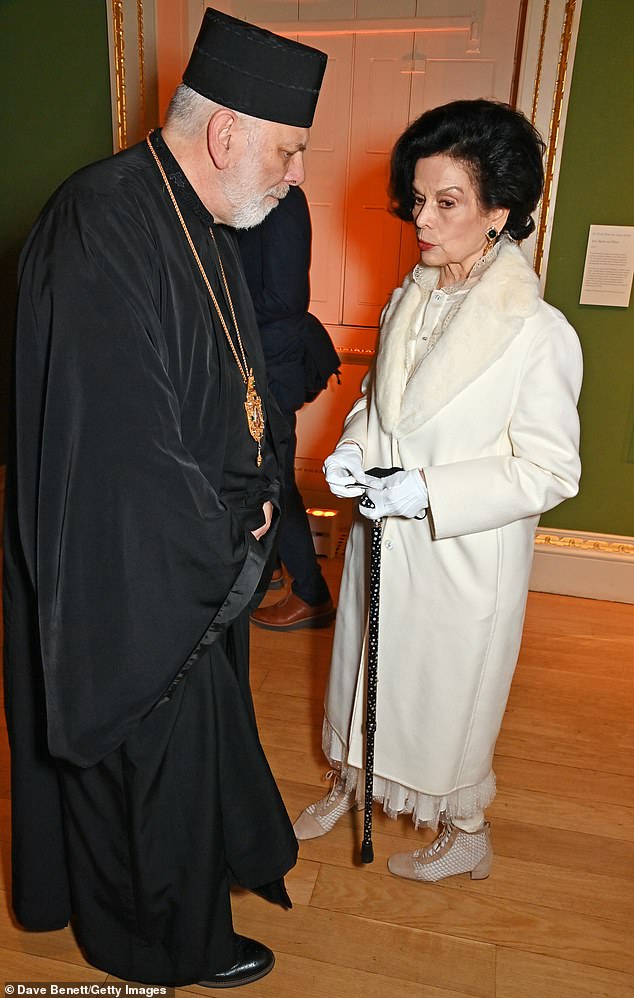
(276,259)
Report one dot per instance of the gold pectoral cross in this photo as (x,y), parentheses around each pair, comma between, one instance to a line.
(255,415)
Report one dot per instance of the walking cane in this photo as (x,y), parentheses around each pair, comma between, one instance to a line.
(367,852)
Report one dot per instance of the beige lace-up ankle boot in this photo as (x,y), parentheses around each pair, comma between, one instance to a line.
(452,852)
(322,816)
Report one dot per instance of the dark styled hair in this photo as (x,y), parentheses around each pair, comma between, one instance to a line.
(498,146)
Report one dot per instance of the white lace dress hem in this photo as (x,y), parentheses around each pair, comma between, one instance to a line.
(426,809)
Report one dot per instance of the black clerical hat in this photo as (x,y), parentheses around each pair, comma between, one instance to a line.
(249,69)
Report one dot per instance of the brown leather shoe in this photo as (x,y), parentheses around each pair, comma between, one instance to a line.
(291,613)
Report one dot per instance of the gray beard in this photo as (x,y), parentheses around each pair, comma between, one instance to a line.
(255,209)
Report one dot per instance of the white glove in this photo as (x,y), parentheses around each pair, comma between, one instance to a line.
(344,471)
(402,494)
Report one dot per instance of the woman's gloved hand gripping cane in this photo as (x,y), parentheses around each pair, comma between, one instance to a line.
(402,493)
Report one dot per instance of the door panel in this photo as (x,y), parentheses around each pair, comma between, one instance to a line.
(326,173)
(380,109)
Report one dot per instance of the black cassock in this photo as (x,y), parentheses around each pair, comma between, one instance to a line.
(140,788)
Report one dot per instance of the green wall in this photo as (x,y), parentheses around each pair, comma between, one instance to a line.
(55,86)
(596,186)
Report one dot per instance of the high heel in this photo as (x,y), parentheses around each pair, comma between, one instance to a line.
(483,869)
(453,851)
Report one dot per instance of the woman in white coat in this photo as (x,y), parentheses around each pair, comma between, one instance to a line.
(473,394)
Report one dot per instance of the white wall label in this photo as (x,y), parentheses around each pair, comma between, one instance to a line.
(607,275)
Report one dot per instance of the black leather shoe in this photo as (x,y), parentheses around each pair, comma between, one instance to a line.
(254,961)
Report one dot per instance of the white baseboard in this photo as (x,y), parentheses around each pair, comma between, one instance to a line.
(576,563)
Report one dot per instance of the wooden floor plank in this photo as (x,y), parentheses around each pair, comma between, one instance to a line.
(565,813)
(300,882)
(24,966)
(298,977)
(465,915)
(529,734)
(576,850)
(562,697)
(588,655)
(399,952)
(598,786)
(60,946)
(525,975)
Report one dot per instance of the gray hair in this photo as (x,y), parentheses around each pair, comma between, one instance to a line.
(189,112)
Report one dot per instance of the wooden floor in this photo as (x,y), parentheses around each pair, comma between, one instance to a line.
(556,917)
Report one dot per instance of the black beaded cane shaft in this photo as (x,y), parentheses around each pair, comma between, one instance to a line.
(367,852)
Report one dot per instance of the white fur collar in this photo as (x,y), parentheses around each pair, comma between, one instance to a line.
(491,316)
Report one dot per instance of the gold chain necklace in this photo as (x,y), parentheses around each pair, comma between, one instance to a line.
(253,402)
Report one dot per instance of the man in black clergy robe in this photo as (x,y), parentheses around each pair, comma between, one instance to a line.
(141,502)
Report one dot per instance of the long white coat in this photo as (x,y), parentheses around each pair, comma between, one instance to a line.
(490,414)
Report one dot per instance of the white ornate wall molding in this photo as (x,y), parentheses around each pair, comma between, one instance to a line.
(575,563)
(550,38)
